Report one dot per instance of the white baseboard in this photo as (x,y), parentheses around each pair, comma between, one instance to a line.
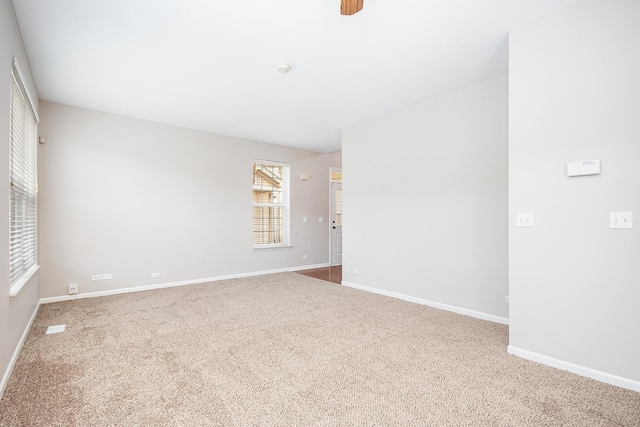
(434,304)
(576,369)
(16,352)
(173,284)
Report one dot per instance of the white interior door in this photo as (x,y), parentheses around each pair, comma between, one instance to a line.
(336,223)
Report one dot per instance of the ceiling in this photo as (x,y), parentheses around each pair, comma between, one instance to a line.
(212,65)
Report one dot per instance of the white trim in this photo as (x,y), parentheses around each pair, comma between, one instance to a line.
(173,284)
(16,352)
(434,304)
(27,92)
(270,162)
(306,267)
(15,289)
(575,369)
(272,246)
(332,214)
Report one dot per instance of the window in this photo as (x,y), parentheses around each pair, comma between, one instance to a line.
(22,185)
(335,175)
(270,204)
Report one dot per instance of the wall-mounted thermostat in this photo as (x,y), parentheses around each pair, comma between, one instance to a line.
(586,167)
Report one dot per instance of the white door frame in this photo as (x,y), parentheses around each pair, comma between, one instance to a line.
(332,216)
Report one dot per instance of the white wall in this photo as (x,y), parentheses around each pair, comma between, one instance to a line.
(15,313)
(425,199)
(131,197)
(575,95)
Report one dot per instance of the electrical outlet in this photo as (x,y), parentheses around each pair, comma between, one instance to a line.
(96,277)
(305,256)
(73,288)
(107,276)
(356,271)
(154,275)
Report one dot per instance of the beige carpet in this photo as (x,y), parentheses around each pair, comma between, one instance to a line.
(287,350)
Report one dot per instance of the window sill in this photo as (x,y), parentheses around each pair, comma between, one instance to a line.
(15,289)
(271,247)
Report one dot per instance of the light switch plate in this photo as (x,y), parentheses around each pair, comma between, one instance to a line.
(620,219)
(524,219)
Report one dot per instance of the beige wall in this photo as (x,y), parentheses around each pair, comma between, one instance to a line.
(575,95)
(15,313)
(425,199)
(130,197)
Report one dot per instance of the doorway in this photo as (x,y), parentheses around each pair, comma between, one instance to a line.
(335,211)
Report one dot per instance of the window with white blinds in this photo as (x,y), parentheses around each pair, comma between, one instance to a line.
(270,204)
(22,185)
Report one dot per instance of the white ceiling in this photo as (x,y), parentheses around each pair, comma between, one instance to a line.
(212,64)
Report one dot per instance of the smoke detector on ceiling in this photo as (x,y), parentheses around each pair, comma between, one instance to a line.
(284,68)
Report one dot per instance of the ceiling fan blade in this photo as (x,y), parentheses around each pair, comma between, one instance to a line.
(349,7)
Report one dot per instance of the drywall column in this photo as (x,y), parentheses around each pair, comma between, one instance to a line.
(575,283)
(425,200)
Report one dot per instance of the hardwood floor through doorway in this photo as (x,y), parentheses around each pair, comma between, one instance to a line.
(330,274)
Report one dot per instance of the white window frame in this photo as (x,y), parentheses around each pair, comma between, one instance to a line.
(286,237)
(23,175)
